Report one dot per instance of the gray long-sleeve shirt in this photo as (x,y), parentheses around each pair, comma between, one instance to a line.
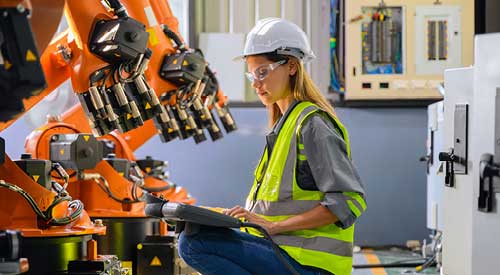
(327,168)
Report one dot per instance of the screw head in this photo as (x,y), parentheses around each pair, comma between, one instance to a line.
(20,8)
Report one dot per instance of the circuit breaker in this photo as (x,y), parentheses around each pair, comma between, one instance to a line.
(399,49)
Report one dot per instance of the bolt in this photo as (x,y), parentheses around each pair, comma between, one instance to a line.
(5,14)
(20,8)
(98,223)
(133,36)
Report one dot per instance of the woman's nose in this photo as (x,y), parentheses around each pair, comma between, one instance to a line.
(256,83)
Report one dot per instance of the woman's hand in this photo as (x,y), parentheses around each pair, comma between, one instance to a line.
(239,212)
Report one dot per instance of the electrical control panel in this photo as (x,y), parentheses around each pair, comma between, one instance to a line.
(399,49)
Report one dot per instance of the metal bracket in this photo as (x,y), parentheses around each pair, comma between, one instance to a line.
(461,128)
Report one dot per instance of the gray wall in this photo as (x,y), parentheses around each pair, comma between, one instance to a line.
(386,145)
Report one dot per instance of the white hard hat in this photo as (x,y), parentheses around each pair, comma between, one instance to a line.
(280,35)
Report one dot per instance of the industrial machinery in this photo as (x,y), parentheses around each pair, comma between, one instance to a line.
(471,152)
(399,49)
(10,257)
(119,56)
(435,168)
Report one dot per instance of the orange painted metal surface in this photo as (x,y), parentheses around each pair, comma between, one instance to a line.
(92,250)
(15,212)
(66,58)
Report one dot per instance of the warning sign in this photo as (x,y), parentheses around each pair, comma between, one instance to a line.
(30,56)
(155,262)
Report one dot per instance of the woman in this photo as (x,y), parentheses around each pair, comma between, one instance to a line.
(306,193)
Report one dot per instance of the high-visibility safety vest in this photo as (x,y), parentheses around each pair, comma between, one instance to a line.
(276,196)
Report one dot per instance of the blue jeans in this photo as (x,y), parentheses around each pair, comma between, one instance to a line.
(226,251)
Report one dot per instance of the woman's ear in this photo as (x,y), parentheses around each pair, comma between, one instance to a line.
(292,67)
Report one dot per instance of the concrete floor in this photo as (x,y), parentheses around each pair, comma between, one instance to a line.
(385,256)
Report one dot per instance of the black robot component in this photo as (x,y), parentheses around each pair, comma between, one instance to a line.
(38,169)
(152,167)
(122,166)
(2,150)
(21,74)
(76,151)
(118,40)
(10,253)
(104,265)
(183,68)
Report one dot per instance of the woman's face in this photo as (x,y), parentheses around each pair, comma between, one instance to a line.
(275,86)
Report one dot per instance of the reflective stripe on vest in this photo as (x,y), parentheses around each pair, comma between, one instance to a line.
(275,195)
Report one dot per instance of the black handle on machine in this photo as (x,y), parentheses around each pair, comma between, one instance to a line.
(487,171)
(449,158)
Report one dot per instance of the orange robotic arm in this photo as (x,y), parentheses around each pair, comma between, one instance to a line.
(37,209)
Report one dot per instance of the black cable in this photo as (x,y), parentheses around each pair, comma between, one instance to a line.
(172,35)
(427,264)
(388,265)
(105,187)
(118,8)
(276,248)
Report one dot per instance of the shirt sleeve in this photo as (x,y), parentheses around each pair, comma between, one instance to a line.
(332,170)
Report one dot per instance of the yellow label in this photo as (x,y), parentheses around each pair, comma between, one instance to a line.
(30,56)
(7,65)
(127,265)
(121,174)
(185,63)
(129,116)
(61,152)
(36,177)
(147,106)
(155,262)
(175,61)
(153,39)
(86,138)
(139,246)
(148,169)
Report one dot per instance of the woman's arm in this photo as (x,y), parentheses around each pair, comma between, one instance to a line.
(316,217)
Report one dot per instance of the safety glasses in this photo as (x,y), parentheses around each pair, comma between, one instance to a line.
(261,72)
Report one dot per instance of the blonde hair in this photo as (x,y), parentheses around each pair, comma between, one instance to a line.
(303,89)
